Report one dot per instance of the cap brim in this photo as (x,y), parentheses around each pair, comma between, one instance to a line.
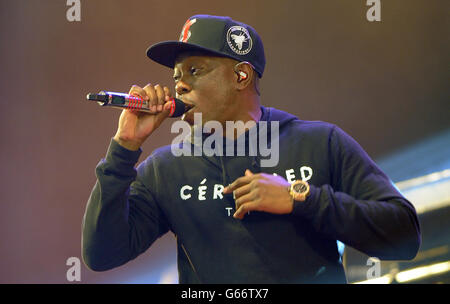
(166,52)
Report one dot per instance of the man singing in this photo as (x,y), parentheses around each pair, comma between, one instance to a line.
(237,218)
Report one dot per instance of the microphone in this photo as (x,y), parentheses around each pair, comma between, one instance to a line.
(126,101)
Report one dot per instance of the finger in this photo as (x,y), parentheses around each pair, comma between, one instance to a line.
(243,190)
(244,209)
(168,99)
(167,93)
(161,97)
(167,106)
(240,181)
(248,172)
(138,91)
(244,199)
(152,97)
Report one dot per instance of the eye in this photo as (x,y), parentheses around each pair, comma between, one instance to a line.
(194,70)
(176,77)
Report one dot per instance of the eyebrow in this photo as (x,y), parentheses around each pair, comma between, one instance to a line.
(192,62)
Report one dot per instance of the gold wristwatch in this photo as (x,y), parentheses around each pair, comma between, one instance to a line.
(299,190)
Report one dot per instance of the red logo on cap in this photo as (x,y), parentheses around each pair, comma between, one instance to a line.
(185,33)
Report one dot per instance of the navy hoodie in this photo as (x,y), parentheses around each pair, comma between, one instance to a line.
(351,200)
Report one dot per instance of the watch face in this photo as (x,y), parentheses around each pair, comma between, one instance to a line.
(300,188)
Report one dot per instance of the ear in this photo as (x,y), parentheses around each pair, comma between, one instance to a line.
(242,76)
(244,73)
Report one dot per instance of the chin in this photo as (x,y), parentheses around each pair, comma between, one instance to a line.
(189,118)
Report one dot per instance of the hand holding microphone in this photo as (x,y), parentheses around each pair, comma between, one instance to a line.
(134,103)
(144,111)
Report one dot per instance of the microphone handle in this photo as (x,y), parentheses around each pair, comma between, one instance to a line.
(126,101)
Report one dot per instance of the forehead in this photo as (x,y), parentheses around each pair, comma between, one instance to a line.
(184,59)
(188,58)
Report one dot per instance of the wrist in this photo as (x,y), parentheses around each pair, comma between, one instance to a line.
(127,144)
(299,191)
(308,207)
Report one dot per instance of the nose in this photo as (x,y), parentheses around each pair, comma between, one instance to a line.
(182,87)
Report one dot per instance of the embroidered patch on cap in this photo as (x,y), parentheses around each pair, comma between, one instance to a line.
(185,32)
(239,40)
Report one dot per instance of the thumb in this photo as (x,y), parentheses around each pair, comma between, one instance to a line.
(248,173)
(167,105)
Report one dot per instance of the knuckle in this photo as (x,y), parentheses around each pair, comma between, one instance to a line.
(160,94)
(151,94)
(134,89)
(158,88)
(150,90)
(256,194)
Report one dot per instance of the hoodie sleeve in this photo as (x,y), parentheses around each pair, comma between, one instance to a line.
(122,218)
(361,207)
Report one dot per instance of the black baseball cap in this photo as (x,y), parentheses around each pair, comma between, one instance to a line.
(216,35)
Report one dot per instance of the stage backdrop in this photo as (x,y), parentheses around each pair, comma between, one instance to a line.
(382,76)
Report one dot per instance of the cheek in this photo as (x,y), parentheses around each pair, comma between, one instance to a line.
(213,97)
(217,105)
